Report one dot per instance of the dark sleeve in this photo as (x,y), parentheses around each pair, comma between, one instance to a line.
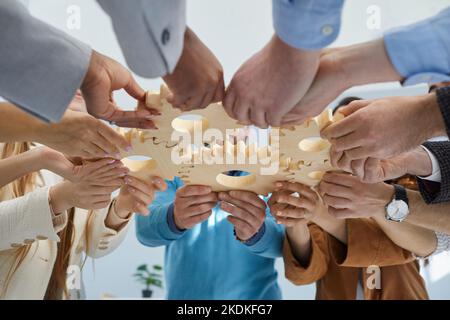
(443,98)
(433,192)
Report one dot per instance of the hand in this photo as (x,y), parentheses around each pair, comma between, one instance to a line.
(197,80)
(348,197)
(137,195)
(248,212)
(372,170)
(293,204)
(385,128)
(81,135)
(193,205)
(104,76)
(340,69)
(269,84)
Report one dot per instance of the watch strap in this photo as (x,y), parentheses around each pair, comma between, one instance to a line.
(401,194)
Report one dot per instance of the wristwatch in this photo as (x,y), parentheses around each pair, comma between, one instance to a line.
(398,209)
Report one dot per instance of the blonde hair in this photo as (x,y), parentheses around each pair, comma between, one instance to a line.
(20,187)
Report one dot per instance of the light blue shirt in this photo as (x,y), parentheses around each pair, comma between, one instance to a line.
(314,24)
(207,262)
(307,24)
(421,47)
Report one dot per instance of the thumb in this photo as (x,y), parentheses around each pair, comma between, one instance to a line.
(134,89)
(353,107)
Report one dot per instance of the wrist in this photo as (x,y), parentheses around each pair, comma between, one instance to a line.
(417,162)
(120,209)
(291,55)
(430,118)
(387,193)
(60,197)
(367,63)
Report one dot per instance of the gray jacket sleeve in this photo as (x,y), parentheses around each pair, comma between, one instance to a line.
(150,33)
(40,66)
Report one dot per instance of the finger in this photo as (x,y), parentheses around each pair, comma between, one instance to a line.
(289,222)
(353,106)
(118,182)
(357,167)
(303,190)
(159,183)
(242,225)
(255,211)
(198,218)
(94,151)
(341,179)
(373,171)
(258,118)
(341,213)
(249,197)
(144,198)
(140,208)
(274,119)
(336,202)
(345,163)
(207,98)
(100,205)
(134,89)
(293,213)
(113,137)
(228,102)
(339,129)
(136,123)
(144,187)
(199,209)
(100,190)
(98,166)
(190,201)
(112,174)
(358,153)
(335,157)
(346,142)
(240,213)
(219,94)
(109,149)
(100,198)
(193,190)
(241,111)
(335,190)
(298,202)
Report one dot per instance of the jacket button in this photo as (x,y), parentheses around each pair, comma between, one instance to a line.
(15,245)
(28,241)
(165,36)
(41,237)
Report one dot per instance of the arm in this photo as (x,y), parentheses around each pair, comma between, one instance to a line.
(78,134)
(15,167)
(107,228)
(174,211)
(347,197)
(253,224)
(37,87)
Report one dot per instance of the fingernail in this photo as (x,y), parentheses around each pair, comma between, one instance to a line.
(278,184)
(111,161)
(127,180)
(129,148)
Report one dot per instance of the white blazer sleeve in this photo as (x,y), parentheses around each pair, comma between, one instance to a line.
(101,239)
(26,219)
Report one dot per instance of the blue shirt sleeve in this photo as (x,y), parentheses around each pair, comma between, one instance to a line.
(421,47)
(307,24)
(159,229)
(268,242)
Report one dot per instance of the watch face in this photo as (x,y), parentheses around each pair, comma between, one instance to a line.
(397,210)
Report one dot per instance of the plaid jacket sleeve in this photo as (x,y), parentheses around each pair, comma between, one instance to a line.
(443,97)
(433,192)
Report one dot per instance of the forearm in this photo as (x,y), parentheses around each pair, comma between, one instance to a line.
(335,227)
(60,197)
(15,167)
(17,125)
(299,239)
(420,241)
(435,217)
(367,63)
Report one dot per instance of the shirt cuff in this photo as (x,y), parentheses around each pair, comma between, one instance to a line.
(171,222)
(406,49)
(307,24)
(256,237)
(436,170)
(443,243)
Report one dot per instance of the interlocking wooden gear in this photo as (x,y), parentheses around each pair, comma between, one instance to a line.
(301,155)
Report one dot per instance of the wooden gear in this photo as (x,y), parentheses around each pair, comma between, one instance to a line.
(302,155)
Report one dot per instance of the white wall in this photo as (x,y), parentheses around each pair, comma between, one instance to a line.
(234,30)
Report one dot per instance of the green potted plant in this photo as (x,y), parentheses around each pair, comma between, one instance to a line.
(149,278)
